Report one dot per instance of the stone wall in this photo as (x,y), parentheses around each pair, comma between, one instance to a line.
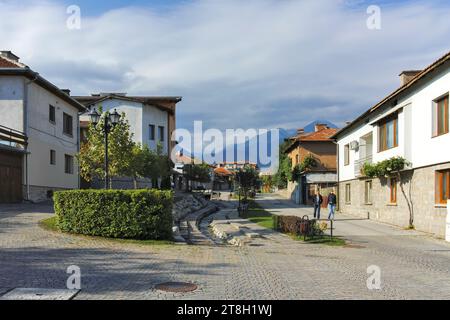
(39,194)
(185,204)
(428,216)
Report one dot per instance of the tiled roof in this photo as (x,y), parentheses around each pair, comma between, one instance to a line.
(322,135)
(4,63)
(222,171)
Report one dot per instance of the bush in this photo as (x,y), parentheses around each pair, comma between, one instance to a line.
(294,225)
(126,214)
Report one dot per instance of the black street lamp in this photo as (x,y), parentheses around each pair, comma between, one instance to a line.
(111,120)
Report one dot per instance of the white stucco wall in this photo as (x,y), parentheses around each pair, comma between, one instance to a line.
(156,117)
(11,102)
(45,136)
(415,121)
(140,117)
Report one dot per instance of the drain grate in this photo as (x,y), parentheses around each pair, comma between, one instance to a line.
(176,287)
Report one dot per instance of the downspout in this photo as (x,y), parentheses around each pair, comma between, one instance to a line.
(337,173)
(25,129)
(78,146)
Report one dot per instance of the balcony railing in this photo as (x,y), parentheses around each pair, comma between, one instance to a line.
(360,163)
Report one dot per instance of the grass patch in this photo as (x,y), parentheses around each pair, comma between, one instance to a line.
(51,224)
(324,239)
(258,215)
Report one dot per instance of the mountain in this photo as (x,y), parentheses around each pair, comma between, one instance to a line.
(311,127)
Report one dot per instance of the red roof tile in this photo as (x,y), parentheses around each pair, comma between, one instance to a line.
(322,135)
(7,64)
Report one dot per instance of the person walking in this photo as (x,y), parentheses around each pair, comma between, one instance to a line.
(331,205)
(317,201)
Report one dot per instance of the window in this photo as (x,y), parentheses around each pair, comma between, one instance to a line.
(161,133)
(346,155)
(52,157)
(393,190)
(51,113)
(348,193)
(440,116)
(68,164)
(152,132)
(67,124)
(296,159)
(388,133)
(442,186)
(368,192)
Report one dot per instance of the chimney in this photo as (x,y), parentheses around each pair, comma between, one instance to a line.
(407,76)
(66,91)
(300,131)
(320,126)
(9,55)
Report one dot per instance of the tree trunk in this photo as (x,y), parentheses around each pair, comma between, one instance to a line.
(135,183)
(408,198)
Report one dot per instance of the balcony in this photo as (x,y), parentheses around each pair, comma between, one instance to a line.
(360,163)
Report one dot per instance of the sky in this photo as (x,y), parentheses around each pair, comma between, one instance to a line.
(237,64)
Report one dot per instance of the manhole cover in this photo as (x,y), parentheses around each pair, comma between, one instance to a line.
(176,287)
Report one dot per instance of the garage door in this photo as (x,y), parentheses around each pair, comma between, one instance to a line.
(10,177)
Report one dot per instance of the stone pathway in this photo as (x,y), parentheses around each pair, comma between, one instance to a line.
(271,267)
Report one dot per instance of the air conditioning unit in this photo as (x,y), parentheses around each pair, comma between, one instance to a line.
(354,145)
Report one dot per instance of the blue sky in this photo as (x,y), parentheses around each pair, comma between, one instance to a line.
(99,7)
(249,64)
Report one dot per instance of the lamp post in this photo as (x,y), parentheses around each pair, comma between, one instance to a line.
(111,120)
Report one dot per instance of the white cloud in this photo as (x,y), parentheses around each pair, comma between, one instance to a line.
(256,63)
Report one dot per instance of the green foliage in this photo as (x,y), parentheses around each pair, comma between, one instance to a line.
(120,150)
(198,172)
(126,214)
(283,174)
(385,168)
(307,163)
(126,158)
(247,179)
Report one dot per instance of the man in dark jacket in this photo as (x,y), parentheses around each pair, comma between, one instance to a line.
(317,201)
(331,205)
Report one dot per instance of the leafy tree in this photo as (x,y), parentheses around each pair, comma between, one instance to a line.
(197,172)
(247,179)
(394,167)
(307,163)
(283,174)
(120,150)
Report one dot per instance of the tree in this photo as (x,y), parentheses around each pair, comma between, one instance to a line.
(394,167)
(307,163)
(247,178)
(283,174)
(197,172)
(120,151)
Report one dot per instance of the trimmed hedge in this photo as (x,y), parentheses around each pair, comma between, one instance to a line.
(127,214)
(294,225)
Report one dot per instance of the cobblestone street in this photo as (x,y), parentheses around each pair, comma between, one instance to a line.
(413,265)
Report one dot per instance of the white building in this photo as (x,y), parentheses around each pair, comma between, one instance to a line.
(48,117)
(151,119)
(413,123)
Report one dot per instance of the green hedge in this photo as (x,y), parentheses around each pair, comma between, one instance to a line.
(127,214)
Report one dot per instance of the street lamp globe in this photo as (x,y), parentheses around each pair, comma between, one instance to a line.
(94,116)
(114,117)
